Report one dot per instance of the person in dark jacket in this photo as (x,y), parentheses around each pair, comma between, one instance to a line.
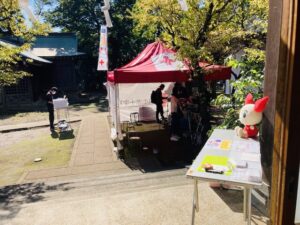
(49,97)
(179,100)
(159,101)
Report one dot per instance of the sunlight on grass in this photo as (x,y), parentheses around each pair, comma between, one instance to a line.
(18,158)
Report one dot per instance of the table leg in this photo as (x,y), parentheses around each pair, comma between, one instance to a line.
(249,205)
(245,208)
(195,201)
(196,195)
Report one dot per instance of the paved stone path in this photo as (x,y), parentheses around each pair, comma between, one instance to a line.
(93,144)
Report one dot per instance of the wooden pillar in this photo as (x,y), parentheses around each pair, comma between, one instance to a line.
(271,73)
(284,112)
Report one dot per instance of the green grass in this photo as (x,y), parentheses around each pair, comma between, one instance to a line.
(18,158)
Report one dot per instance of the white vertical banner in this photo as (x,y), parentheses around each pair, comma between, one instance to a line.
(103,51)
(183,5)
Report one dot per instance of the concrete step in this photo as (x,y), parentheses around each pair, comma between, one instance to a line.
(69,173)
(131,198)
(130,176)
(114,184)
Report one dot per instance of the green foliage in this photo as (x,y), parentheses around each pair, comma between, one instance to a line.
(83,17)
(250,81)
(252,21)
(13,24)
(210,31)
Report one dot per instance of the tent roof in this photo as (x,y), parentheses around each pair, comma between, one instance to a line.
(157,63)
(215,72)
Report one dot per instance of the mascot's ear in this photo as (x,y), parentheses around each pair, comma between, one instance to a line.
(260,104)
(249,99)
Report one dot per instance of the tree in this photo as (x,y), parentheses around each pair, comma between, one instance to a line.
(84,17)
(250,80)
(209,31)
(253,22)
(188,32)
(125,44)
(13,24)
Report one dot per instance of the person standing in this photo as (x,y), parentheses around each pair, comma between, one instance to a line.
(49,97)
(159,101)
(179,99)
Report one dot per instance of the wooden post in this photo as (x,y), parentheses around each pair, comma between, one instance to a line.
(282,66)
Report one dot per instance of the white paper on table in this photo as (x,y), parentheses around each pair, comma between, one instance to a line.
(254,175)
(220,168)
(239,174)
(251,175)
(254,165)
(250,157)
(246,146)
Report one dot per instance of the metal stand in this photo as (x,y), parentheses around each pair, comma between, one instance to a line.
(62,115)
(134,118)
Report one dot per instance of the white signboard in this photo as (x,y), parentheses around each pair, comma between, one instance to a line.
(103,51)
(136,98)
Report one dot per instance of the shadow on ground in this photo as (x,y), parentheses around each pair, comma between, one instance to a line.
(160,153)
(12,197)
(234,199)
(99,101)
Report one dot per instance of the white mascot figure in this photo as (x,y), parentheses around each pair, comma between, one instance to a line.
(250,116)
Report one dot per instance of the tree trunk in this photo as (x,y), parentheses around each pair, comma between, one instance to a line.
(203,101)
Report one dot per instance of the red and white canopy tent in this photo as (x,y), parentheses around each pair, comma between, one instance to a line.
(130,87)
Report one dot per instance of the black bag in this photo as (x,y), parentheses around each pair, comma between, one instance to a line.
(153,97)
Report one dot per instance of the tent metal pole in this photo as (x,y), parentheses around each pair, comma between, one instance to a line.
(119,132)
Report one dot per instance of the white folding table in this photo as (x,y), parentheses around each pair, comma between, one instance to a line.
(225,144)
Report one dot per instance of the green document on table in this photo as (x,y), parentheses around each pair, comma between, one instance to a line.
(216,161)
